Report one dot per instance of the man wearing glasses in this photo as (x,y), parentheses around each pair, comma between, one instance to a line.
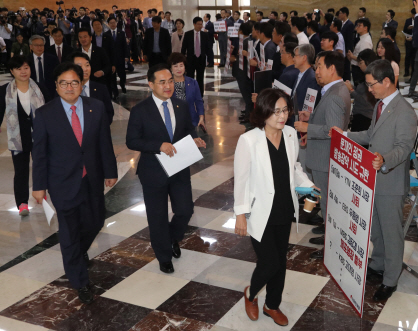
(155,124)
(73,159)
(42,64)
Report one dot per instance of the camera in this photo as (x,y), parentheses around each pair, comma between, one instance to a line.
(59,3)
(2,20)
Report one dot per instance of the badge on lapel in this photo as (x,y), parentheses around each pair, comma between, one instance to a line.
(91,111)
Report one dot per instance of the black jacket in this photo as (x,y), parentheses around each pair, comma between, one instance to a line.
(100,92)
(66,50)
(50,63)
(120,48)
(187,47)
(164,43)
(107,45)
(99,61)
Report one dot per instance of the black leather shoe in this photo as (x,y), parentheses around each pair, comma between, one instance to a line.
(319,229)
(317,240)
(384,292)
(316,220)
(176,249)
(167,267)
(318,254)
(85,294)
(371,273)
(406,74)
(124,90)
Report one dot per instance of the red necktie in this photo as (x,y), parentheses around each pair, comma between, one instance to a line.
(75,123)
(379,110)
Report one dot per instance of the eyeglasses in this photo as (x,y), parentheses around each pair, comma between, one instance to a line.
(165,82)
(38,45)
(370,85)
(74,84)
(284,110)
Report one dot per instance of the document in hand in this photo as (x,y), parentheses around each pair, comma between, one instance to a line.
(187,154)
(49,212)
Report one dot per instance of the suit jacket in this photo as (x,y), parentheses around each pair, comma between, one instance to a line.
(58,158)
(50,63)
(348,33)
(120,48)
(254,186)
(194,99)
(100,92)
(308,80)
(333,110)
(176,43)
(187,47)
(164,43)
(289,76)
(107,45)
(85,23)
(99,61)
(415,33)
(393,137)
(392,24)
(236,71)
(408,22)
(322,29)
(211,31)
(278,66)
(147,132)
(269,50)
(316,43)
(25,120)
(66,50)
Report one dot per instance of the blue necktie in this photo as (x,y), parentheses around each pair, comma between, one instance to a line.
(167,118)
(83,93)
(114,35)
(40,70)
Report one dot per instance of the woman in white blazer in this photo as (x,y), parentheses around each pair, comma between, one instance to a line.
(177,37)
(266,173)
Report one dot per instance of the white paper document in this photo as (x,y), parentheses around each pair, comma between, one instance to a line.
(49,212)
(187,154)
(283,87)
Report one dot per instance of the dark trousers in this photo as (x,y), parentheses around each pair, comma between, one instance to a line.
(163,232)
(9,44)
(223,46)
(245,86)
(409,57)
(120,70)
(271,263)
(211,56)
(21,180)
(414,77)
(197,65)
(79,222)
(358,75)
(155,59)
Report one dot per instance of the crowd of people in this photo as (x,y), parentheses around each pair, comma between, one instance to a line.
(65,67)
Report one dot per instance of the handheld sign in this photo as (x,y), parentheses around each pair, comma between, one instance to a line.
(310,98)
(241,48)
(250,56)
(219,26)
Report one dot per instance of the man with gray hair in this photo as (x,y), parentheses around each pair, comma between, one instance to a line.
(42,64)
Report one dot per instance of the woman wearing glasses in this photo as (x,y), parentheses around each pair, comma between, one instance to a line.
(18,102)
(266,173)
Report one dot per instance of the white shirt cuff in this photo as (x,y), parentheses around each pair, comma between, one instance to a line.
(345,133)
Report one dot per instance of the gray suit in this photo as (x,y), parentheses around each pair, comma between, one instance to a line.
(332,110)
(393,137)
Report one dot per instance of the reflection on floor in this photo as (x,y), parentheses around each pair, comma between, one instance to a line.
(205,292)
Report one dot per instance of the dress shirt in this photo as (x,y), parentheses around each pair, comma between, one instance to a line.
(386,23)
(326,87)
(299,78)
(343,22)
(78,110)
(194,40)
(365,42)
(302,38)
(56,49)
(156,46)
(87,52)
(51,41)
(99,40)
(3,33)
(159,104)
(309,38)
(277,49)
(340,44)
(387,100)
(36,63)
(87,88)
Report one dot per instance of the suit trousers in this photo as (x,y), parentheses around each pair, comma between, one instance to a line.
(122,80)
(198,65)
(223,45)
(320,178)
(163,232)
(387,237)
(245,86)
(271,263)
(409,57)
(21,163)
(347,70)
(210,56)
(79,222)
(414,77)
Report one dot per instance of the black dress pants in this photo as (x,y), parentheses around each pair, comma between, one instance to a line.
(245,86)
(409,57)
(79,222)
(120,70)
(198,65)
(271,263)
(163,232)
(21,163)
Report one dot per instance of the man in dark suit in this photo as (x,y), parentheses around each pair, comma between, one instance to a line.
(120,56)
(389,20)
(414,77)
(409,49)
(59,49)
(270,48)
(93,89)
(223,38)
(154,125)
(99,61)
(290,73)
(348,33)
(312,32)
(281,35)
(42,64)
(196,46)
(236,17)
(81,21)
(73,158)
(157,43)
(328,18)
(210,29)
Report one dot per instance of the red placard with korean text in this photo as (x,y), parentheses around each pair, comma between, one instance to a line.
(351,185)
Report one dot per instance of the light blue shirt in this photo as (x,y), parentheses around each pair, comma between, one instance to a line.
(79,111)
(340,44)
(326,87)
(99,40)
(388,99)
(156,47)
(300,75)
(147,23)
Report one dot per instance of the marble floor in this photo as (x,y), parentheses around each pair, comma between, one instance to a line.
(205,292)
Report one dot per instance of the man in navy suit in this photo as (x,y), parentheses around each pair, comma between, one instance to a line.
(223,38)
(270,48)
(290,73)
(90,88)
(409,49)
(312,32)
(348,33)
(236,17)
(73,159)
(42,64)
(157,43)
(210,29)
(155,124)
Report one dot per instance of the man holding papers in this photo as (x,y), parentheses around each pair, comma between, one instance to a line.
(155,124)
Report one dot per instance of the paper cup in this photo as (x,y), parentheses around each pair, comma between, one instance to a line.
(309,204)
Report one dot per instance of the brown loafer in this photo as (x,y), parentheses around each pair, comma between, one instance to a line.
(251,307)
(278,317)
